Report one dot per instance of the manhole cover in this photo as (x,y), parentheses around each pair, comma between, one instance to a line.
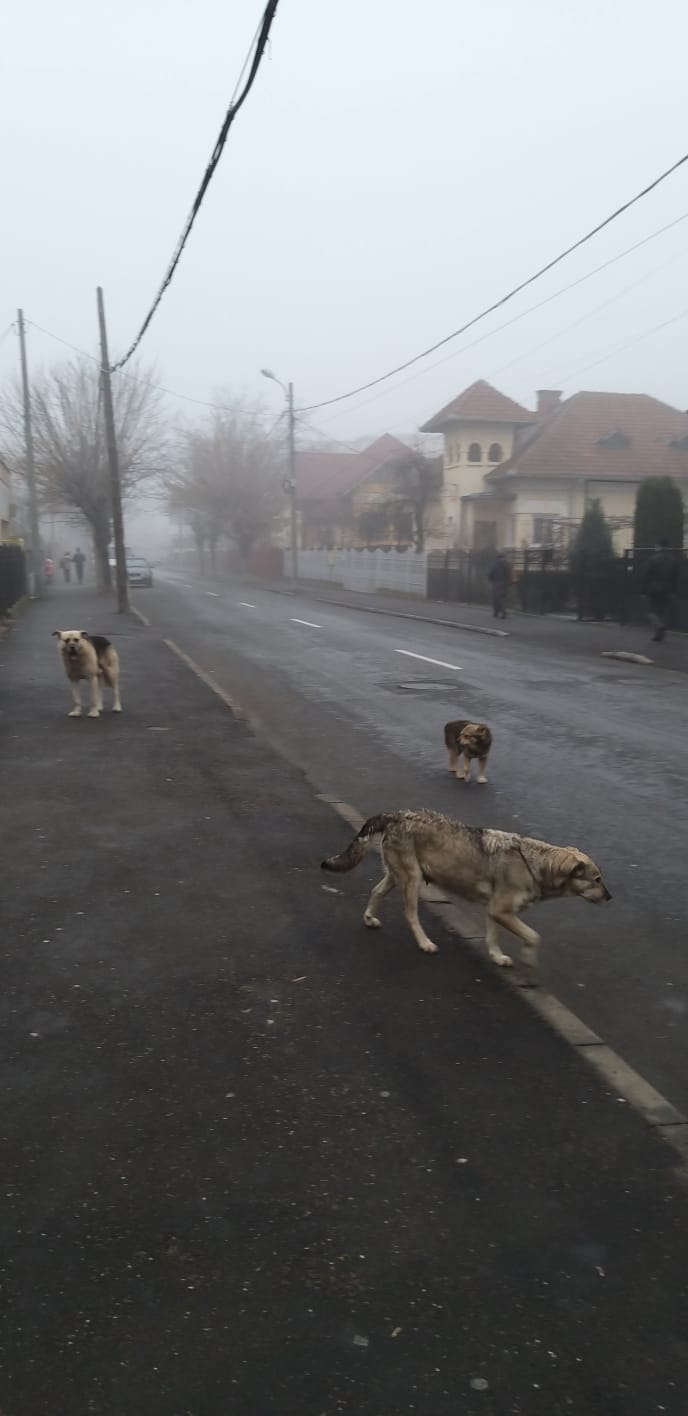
(431,686)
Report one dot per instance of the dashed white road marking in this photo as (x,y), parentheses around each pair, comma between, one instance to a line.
(187,585)
(246,605)
(308,623)
(213,593)
(439,662)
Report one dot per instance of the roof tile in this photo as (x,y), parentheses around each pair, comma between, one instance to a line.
(480,403)
(575,441)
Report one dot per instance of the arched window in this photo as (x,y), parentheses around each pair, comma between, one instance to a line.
(475,453)
(495,454)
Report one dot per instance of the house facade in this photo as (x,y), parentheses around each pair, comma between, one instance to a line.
(480,429)
(354,499)
(516,478)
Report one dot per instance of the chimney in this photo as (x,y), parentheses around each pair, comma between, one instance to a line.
(547,401)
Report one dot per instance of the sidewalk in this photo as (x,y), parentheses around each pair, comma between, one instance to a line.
(255,1161)
(556,634)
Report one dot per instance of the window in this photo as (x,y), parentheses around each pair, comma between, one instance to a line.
(543,530)
(485,536)
(495,454)
(475,453)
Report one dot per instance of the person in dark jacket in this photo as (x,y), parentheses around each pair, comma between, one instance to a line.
(79,561)
(500,579)
(660,582)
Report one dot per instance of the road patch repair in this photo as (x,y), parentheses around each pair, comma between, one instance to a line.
(257,1161)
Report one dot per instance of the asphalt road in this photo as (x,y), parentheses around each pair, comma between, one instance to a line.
(255,1161)
(591,753)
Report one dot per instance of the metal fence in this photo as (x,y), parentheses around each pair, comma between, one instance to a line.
(547,581)
(13,579)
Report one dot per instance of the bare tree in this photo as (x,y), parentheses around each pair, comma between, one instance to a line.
(71,464)
(404,512)
(419,480)
(226,481)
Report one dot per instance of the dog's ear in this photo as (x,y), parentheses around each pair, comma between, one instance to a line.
(578,867)
(58,633)
(84,634)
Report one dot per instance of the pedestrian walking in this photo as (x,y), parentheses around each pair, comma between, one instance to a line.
(499,577)
(48,569)
(66,564)
(79,560)
(660,582)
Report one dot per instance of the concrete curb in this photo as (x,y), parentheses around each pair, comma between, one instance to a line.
(628,1085)
(395,614)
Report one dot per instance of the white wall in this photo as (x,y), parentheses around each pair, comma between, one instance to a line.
(404,571)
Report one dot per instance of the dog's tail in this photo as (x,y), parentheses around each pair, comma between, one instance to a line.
(354,853)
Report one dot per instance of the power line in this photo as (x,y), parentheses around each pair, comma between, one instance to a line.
(133,378)
(627,344)
(236,104)
(590,314)
(530,309)
(496,305)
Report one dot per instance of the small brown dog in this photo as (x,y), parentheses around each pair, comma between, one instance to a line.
(467,740)
(91,657)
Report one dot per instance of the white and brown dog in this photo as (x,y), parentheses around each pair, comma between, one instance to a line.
(91,657)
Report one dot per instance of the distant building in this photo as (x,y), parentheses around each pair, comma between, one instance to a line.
(512,477)
(354,499)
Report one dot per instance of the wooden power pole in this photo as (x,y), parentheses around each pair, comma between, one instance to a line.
(113,463)
(35,561)
(293,519)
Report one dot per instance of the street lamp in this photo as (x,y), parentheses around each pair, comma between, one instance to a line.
(290,481)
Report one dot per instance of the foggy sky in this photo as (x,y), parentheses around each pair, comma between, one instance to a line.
(398,164)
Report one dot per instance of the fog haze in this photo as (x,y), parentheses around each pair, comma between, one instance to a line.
(397,166)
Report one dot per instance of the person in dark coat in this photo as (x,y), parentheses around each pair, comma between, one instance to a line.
(79,561)
(500,579)
(660,582)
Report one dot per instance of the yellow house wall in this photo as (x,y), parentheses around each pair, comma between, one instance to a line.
(558,497)
(460,478)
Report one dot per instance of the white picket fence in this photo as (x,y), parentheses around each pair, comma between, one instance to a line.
(365,571)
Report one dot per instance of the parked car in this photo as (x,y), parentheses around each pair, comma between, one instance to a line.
(139,572)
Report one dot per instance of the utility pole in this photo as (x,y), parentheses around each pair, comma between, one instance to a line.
(113,463)
(292,489)
(35,566)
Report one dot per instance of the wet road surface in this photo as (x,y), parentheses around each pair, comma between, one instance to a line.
(590,753)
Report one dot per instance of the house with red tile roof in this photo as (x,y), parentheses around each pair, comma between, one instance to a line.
(354,498)
(514,477)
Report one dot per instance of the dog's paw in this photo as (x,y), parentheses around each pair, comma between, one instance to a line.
(74,713)
(117,707)
(503,961)
(94,712)
(371,922)
(428,947)
(482,781)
